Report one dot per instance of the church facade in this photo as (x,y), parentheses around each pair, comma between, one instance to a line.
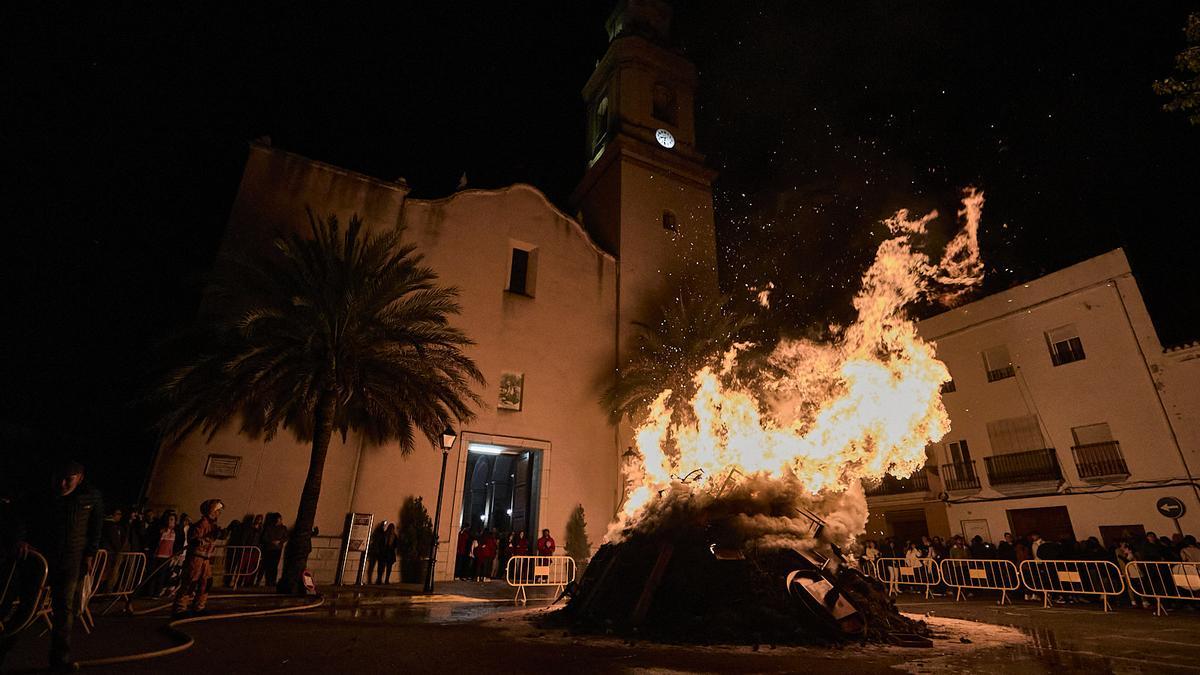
(549,300)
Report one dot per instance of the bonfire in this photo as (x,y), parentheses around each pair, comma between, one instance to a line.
(736,519)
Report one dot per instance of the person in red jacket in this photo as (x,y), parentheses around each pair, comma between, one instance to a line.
(545,544)
(520,544)
(485,554)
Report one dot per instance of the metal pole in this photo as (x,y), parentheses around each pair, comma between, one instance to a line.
(437,524)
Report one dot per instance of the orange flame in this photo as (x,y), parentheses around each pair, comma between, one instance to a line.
(841,412)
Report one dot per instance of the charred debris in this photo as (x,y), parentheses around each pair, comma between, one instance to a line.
(693,579)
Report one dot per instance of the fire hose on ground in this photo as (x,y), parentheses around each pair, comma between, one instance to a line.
(187,640)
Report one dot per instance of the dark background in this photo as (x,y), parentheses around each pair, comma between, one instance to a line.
(125,128)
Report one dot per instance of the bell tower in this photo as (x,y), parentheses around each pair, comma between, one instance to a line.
(646,196)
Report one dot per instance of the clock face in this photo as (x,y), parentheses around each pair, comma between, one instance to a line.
(664,138)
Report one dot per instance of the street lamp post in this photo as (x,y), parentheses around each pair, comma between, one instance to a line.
(448,438)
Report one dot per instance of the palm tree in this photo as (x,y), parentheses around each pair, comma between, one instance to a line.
(341,331)
(692,331)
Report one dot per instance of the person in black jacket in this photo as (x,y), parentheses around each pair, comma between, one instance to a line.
(274,534)
(114,538)
(63,524)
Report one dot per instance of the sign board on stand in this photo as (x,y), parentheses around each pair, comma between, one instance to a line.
(360,531)
(356,539)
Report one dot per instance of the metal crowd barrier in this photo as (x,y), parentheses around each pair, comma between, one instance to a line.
(131,568)
(237,564)
(897,572)
(88,586)
(1164,581)
(538,570)
(22,592)
(867,567)
(1072,577)
(984,575)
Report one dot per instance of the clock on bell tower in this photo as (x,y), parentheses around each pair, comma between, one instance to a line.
(646,196)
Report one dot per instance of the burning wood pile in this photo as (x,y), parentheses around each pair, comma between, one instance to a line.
(693,580)
(739,501)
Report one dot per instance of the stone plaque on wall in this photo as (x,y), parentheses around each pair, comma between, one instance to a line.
(222,466)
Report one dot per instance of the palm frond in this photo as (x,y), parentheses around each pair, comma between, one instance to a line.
(690,332)
(340,310)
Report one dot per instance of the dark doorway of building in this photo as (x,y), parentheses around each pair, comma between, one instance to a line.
(1115,534)
(501,489)
(1052,522)
(907,526)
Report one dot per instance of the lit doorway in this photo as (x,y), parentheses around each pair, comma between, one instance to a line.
(501,489)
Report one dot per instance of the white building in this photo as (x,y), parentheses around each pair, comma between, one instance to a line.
(1068,418)
(547,298)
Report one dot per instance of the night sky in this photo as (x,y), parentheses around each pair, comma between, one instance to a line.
(126,125)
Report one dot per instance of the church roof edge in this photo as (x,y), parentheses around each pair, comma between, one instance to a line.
(535,191)
(402,186)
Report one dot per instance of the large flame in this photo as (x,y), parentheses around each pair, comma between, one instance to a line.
(829,415)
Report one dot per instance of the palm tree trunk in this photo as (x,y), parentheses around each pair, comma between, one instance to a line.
(299,545)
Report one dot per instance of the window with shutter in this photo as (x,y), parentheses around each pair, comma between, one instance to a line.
(1092,434)
(998,363)
(1065,345)
(1015,434)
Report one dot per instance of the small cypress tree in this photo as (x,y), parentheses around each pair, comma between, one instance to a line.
(578,546)
(415,533)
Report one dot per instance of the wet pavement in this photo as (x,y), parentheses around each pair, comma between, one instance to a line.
(1083,637)
(477,627)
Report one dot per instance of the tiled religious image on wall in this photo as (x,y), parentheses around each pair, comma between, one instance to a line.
(512,388)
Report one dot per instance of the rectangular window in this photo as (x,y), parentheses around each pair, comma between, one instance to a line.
(1097,456)
(518,271)
(959,474)
(1015,434)
(522,269)
(959,452)
(600,124)
(998,363)
(669,222)
(1065,346)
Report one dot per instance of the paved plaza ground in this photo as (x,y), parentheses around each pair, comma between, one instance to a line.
(476,628)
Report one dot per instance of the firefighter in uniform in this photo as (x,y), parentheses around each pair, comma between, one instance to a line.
(197,569)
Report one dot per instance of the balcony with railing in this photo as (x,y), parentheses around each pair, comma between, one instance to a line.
(1031,466)
(960,476)
(1002,373)
(891,486)
(1100,461)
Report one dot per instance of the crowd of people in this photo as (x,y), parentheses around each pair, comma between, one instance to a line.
(67,526)
(164,539)
(480,555)
(1150,548)
(483,555)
